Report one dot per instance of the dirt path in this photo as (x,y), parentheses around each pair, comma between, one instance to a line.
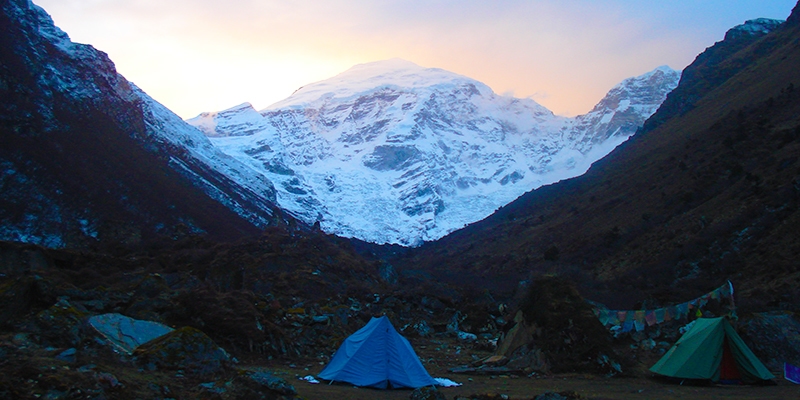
(586,387)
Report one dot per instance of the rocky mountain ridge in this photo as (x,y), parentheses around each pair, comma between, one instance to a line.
(707,192)
(88,157)
(711,194)
(391,152)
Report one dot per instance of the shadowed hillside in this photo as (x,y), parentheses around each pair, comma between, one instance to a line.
(87,158)
(708,192)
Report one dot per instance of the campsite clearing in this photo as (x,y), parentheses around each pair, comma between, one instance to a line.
(449,354)
(588,387)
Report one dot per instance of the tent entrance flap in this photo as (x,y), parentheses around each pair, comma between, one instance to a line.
(728,371)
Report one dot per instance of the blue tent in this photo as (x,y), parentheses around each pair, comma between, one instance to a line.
(377,356)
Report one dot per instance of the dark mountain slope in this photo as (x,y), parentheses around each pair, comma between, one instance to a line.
(709,194)
(711,68)
(81,159)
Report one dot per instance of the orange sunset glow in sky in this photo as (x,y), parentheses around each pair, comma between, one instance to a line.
(208,55)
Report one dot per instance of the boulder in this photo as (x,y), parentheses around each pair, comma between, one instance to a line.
(68,355)
(126,334)
(557,331)
(61,324)
(422,329)
(20,296)
(265,379)
(186,349)
(427,393)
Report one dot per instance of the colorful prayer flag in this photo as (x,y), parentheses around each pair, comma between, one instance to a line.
(629,320)
(627,326)
(661,315)
(683,310)
(603,316)
(612,318)
(638,316)
(622,315)
(639,325)
(650,317)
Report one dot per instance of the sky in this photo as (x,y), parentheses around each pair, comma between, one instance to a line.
(209,55)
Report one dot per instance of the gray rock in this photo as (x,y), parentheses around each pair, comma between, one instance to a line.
(391,157)
(186,349)
(68,355)
(422,328)
(213,388)
(427,393)
(466,336)
(126,334)
(61,325)
(272,382)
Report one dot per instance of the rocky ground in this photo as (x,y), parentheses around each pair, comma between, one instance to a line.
(248,320)
(568,386)
(30,371)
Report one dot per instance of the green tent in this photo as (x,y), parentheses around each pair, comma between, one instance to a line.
(712,350)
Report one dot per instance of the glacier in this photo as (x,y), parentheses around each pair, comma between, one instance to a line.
(392,152)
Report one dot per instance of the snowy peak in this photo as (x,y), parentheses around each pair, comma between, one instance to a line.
(645,88)
(241,120)
(391,152)
(377,73)
(618,115)
(371,77)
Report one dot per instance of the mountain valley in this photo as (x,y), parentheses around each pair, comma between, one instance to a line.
(391,152)
(233,231)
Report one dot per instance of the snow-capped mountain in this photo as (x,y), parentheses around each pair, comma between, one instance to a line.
(622,111)
(88,156)
(391,152)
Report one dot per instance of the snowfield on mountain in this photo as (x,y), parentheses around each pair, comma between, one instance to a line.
(391,152)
